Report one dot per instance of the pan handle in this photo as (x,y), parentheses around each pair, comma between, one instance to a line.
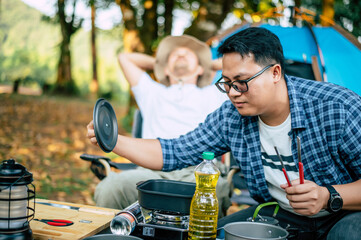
(220,233)
(91,158)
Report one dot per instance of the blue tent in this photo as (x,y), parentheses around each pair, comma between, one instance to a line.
(336,53)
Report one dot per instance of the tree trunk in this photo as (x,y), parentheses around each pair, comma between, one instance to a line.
(94,84)
(297,5)
(65,83)
(328,11)
(64,79)
(150,26)
(131,38)
(168,17)
(16,85)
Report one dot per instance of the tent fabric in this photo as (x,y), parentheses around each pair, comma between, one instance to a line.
(342,59)
(297,43)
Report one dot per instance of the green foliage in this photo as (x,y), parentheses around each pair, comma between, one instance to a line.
(29,52)
(347,14)
(24,55)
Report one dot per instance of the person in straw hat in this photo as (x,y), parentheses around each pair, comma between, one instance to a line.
(175,105)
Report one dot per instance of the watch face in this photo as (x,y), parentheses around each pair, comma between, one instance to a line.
(336,203)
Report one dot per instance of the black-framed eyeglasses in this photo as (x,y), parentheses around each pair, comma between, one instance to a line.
(238,85)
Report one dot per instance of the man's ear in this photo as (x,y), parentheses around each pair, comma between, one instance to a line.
(277,73)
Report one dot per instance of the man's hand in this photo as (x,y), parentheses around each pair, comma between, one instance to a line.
(308,198)
(91,134)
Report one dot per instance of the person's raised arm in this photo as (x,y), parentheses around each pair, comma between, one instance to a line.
(143,152)
(134,65)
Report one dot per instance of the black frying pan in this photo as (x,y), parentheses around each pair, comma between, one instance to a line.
(166,195)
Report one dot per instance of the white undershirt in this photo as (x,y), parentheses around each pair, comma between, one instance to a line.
(171,111)
(277,136)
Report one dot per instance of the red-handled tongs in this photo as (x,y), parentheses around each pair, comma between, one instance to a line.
(283,168)
(300,164)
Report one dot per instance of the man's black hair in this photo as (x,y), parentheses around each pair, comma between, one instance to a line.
(262,43)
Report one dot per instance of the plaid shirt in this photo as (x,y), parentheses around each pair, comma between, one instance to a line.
(326,117)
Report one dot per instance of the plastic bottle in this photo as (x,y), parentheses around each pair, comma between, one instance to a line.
(204,205)
(125,221)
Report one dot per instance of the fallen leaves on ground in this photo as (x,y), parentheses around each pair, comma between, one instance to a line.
(47,135)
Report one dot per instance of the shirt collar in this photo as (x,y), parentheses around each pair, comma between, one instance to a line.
(298,116)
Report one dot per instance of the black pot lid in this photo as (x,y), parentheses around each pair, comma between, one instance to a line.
(105,125)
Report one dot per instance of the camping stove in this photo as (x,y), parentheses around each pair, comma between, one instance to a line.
(165,206)
(162,225)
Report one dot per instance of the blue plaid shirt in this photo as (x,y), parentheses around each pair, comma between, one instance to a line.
(326,117)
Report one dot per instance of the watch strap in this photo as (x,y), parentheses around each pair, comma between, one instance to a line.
(331,189)
(333,194)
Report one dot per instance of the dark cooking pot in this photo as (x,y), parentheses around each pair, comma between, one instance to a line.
(166,195)
(253,231)
(111,237)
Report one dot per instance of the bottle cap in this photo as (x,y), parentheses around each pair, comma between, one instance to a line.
(208,155)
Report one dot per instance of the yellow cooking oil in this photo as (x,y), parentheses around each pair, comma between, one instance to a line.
(204,206)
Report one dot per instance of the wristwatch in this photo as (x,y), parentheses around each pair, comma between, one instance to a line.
(335,201)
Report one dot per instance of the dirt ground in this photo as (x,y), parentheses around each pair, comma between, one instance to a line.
(47,135)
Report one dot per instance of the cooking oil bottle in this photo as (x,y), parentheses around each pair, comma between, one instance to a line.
(204,206)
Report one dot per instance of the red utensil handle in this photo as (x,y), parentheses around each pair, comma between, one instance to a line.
(286,176)
(57,223)
(62,221)
(300,170)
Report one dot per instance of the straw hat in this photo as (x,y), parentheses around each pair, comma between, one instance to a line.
(200,48)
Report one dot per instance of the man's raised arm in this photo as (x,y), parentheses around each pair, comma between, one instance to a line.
(143,152)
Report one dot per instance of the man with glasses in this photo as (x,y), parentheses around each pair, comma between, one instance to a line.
(267,113)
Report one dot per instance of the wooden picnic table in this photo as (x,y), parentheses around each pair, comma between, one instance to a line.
(88,220)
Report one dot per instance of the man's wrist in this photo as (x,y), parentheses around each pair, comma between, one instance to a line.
(326,197)
(335,201)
